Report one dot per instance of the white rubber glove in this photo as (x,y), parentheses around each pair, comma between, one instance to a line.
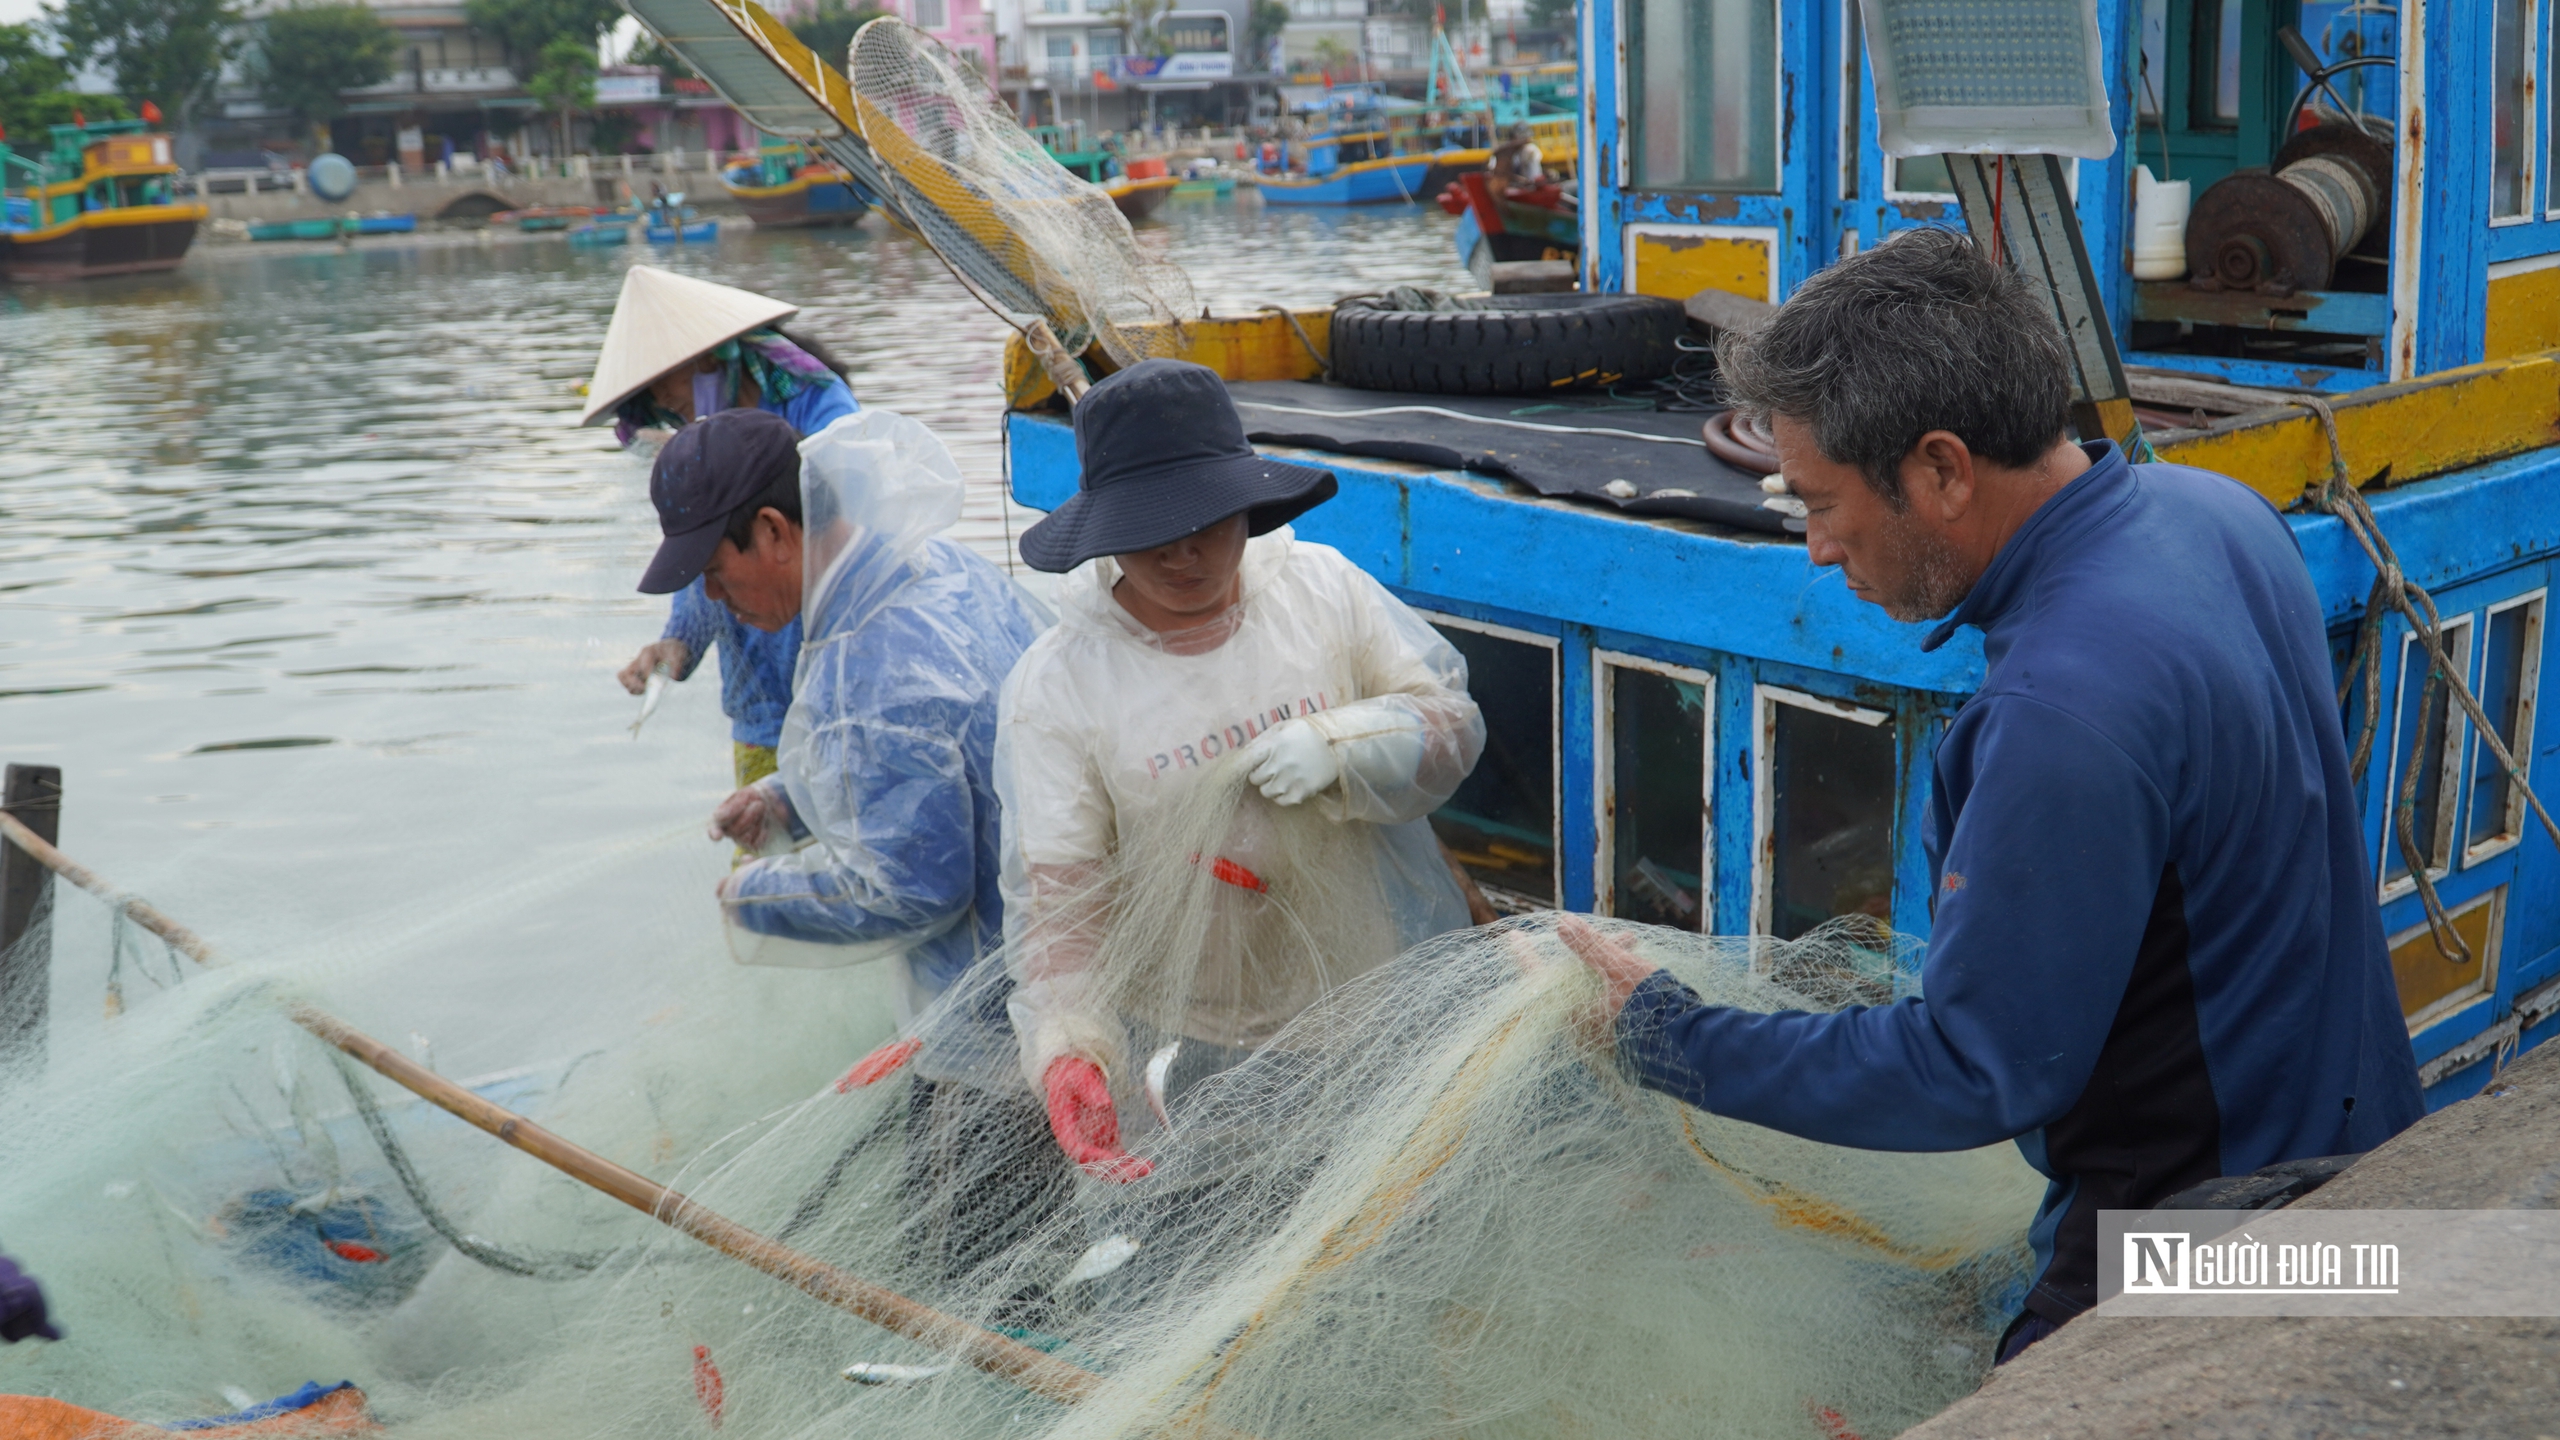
(1292,762)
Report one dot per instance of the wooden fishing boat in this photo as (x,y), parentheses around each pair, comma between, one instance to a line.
(1142,187)
(99,203)
(1516,225)
(325,228)
(1138,187)
(600,234)
(1360,168)
(786,187)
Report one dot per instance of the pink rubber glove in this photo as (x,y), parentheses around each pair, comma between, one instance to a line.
(1087,1126)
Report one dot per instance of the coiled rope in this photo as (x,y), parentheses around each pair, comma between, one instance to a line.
(2393,590)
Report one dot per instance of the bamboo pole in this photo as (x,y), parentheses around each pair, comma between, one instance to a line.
(995,1354)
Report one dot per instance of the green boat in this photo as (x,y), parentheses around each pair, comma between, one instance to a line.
(329,229)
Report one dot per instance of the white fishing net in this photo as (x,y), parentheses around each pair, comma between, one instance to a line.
(1429,1204)
(985,195)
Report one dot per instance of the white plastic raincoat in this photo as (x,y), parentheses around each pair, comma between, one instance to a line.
(1101,724)
(887,754)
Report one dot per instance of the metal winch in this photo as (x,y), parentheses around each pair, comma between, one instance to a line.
(2280,232)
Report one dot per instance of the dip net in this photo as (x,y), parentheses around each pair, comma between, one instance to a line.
(1425,1201)
(978,188)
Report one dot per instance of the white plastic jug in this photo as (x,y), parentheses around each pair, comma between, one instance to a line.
(2159,226)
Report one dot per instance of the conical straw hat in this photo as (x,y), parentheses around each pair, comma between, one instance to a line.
(663,320)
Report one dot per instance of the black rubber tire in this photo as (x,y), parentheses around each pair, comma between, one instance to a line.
(1522,345)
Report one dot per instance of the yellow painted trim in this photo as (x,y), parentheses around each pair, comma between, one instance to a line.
(2524,312)
(1123,185)
(2391,434)
(1678,261)
(106,219)
(1238,347)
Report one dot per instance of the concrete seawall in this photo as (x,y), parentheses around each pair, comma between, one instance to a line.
(467,198)
(2102,1376)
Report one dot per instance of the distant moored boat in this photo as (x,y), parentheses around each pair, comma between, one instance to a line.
(99,203)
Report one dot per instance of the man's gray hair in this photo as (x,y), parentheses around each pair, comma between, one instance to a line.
(1921,333)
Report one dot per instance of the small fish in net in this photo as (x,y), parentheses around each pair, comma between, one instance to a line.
(976,183)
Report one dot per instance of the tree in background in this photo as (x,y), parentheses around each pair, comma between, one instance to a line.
(306,54)
(1554,14)
(1335,58)
(1143,20)
(169,51)
(565,82)
(653,51)
(829,28)
(35,89)
(525,27)
(1262,30)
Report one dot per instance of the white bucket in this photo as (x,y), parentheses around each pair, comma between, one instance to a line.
(2159,226)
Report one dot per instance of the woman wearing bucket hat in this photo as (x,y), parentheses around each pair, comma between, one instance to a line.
(1194,626)
(680,349)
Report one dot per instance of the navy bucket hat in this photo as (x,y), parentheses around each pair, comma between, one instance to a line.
(1164,456)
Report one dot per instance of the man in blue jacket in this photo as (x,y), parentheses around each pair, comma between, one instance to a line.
(2155,956)
(679,349)
(879,831)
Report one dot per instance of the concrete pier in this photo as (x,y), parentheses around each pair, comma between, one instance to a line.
(2207,1378)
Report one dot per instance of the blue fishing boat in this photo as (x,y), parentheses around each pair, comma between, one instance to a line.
(1637,607)
(1359,168)
(787,186)
(601,234)
(695,232)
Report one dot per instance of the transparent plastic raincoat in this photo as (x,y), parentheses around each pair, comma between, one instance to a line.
(1103,724)
(887,755)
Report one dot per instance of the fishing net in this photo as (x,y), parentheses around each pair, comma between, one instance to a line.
(1391,1195)
(978,187)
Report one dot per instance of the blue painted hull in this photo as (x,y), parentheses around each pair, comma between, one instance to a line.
(1367,183)
(694,234)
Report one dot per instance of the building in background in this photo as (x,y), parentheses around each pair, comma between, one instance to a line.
(455,93)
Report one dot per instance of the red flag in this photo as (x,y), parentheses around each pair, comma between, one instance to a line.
(150,113)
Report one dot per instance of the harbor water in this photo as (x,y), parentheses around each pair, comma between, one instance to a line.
(314,591)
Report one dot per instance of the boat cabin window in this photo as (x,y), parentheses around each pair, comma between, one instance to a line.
(1921,177)
(1501,825)
(1825,802)
(1656,822)
(2434,984)
(2511,126)
(2510,671)
(1704,96)
(2427,735)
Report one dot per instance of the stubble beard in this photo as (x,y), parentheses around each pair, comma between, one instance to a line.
(1933,578)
